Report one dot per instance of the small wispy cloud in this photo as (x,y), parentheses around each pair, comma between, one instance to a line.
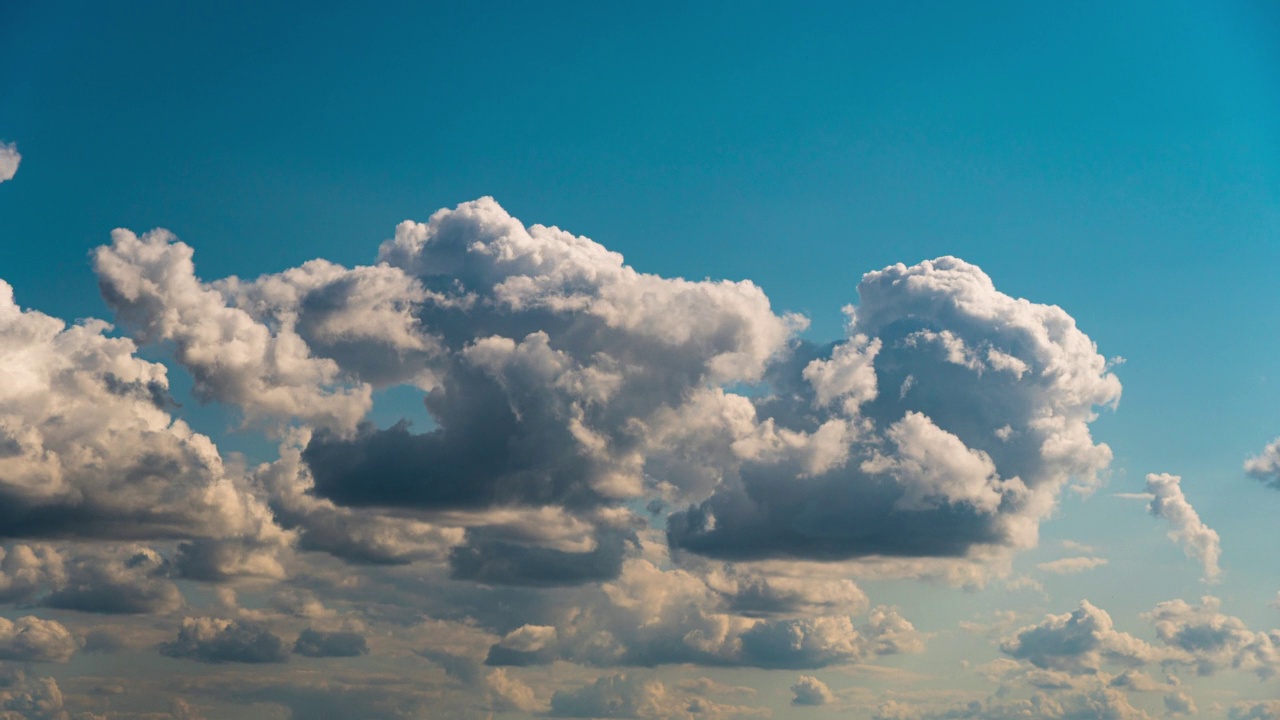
(9,160)
(1198,540)
(1067,566)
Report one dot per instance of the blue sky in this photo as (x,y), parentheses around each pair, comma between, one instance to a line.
(1121,162)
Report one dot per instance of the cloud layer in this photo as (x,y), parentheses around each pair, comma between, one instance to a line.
(621,473)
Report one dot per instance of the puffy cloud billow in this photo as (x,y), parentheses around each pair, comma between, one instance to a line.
(944,426)
(1198,540)
(621,470)
(976,419)
(90,451)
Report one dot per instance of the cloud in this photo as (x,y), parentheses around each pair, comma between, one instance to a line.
(1180,703)
(318,643)
(129,580)
(357,535)
(149,282)
(627,695)
(1266,466)
(1078,643)
(553,372)
(809,690)
(509,693)
(1198,540)
(1212,641)
(214,640)
(557,376)
(88,449)
(33,639)
(10,158)
(1085,704)
(1067,566)
(649,616)
(1265,710)
(978,419)
(31,698)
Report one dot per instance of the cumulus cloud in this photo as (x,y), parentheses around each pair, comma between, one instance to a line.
(509,693)
(150,283)
(89,450)
(628,695)
(1266,466)
(31,698)
(216,640)
(338,643)
(1077,704)
(978,417)
(10,158)
(552,370)
(1198,540)
(1211,640)
(1265,710)
(33,639)
(128,580)
(944,426)
(652,616)
(809,690)
(1078,642)
(1180,703)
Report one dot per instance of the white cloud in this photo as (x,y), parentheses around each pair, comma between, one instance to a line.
(1266,466)
(809,690)
(88,448)
(33,639)
(1067,566)
(1198,540)
(1078,642)
(10,158)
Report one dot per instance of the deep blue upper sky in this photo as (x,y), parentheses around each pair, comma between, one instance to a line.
(1120,161)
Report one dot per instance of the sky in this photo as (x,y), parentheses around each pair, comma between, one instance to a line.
(885,361)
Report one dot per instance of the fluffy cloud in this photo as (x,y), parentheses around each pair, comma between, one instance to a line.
(1266,710)
(31,698)
(129,580)
(552,371)
(809,690)
(1266,466)
(944,426)
(215,640)
(338,643)
(33,639)
(88,448)
(1198,540)
(9,160)
(1212,641)
(150,283)
(1180,703)
(1078,642)
(1099,703)
(650,616)
(978,417)
(627,695)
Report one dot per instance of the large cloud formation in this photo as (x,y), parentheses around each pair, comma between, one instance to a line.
(945,425)
(620,469)
(88,449)
(559,377)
